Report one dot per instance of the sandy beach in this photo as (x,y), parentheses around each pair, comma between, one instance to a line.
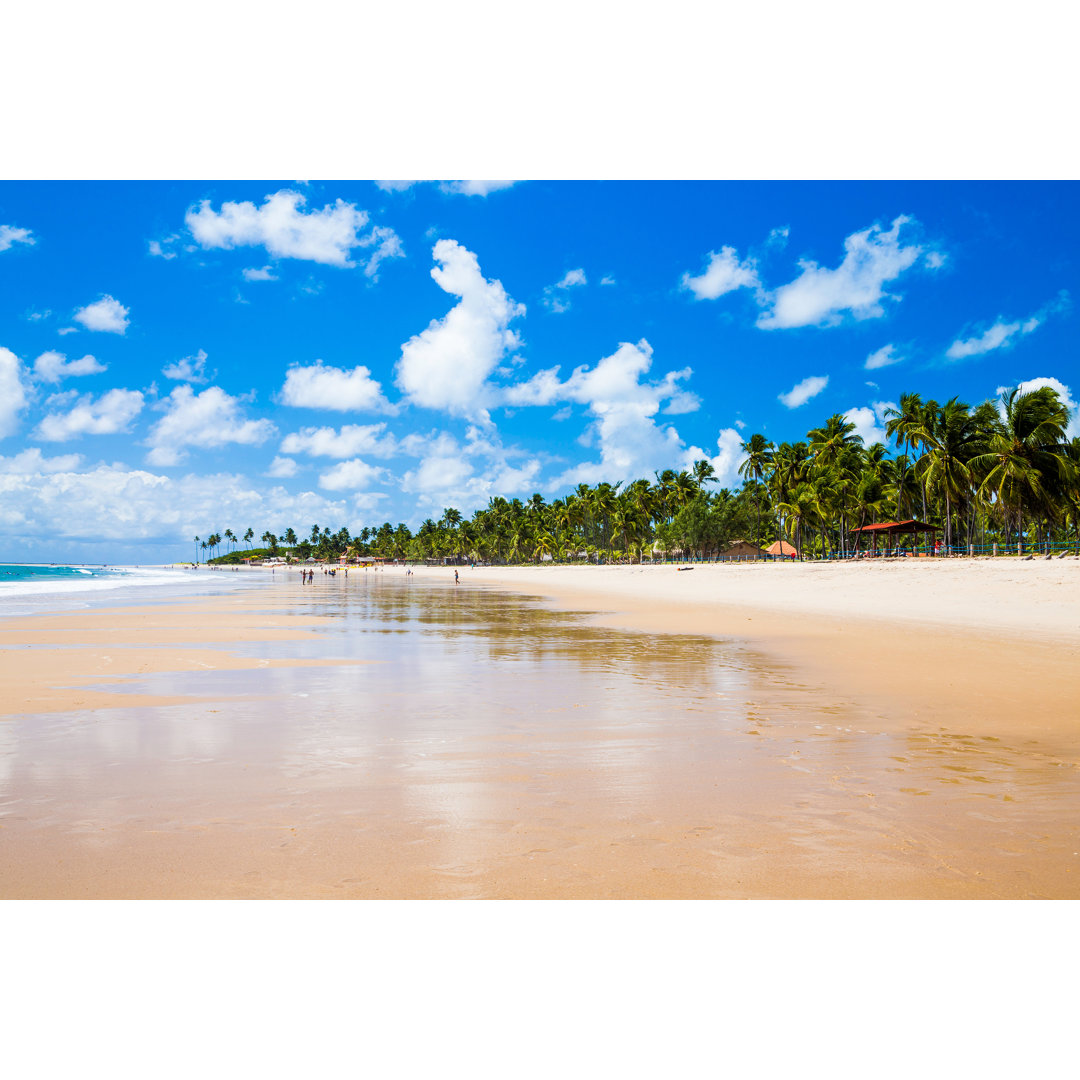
(872,730)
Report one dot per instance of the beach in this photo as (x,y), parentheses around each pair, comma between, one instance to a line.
(877,730)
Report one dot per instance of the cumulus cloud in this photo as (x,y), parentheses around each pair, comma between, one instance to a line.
(448,471)
(188,369)
(53,497)
(556,297)
(475,187)
(109,414)
(286,231)
(449,187)
(160,249)
(803,391)
(870,421)
(282,467)
(623,406)
(353,475)
(723,273)
(1003,334)
(1073,430)
(729,457)
(33,461)
(262,273)
(447,365)
(883,357)
(323,387)
(106,314)
(210,419)
(351,440)
(10,235)
(823,297)
(53,366)
(13,396)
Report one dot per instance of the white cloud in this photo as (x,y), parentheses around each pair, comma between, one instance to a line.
(53,366)
(935,260)
(50,497)
(34,462)
(188,369)
(282,227)
(883,357)
(323,387)
(262,273)
(729,457)
(209,419)
(13,397)
(106,314)
(740,424)
(109,414)
(354,475)
(447,365)
(803,391)
(869,421)
(475,187)
(1003,334)
(283,467)
(67,330)
(11,235)
(623,406)
(607,279)
(1073,430)
(556,297)
(37,316)
(158,248)
(449,187)
(723,274)
(822,297)
(447,471)
(351,440)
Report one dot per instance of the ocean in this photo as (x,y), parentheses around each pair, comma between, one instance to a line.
(29,588)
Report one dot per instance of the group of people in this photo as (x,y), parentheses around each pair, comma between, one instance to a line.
(307,577)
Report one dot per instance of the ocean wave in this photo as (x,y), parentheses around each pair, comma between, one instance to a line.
(32,589)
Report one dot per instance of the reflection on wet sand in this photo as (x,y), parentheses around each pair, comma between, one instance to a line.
(491,748)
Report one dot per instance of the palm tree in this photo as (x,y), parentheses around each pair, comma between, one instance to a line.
(800,507)
(953,442)
(1024,459)
(249,536)
(904,426)
(758,451)
(704,473)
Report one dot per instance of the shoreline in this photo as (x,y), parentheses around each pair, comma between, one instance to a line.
(839,758)
(1000,668)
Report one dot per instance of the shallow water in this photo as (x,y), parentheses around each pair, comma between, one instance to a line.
(482,746)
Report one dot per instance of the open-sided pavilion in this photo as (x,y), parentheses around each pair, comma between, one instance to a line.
(890,530)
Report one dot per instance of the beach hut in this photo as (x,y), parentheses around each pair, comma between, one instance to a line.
(891,530)
(782,547)
(742,549)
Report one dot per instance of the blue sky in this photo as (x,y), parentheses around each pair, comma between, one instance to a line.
(182,357)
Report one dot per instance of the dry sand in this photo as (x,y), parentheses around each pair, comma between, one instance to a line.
(966,669)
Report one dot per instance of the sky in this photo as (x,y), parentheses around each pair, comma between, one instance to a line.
(178,358)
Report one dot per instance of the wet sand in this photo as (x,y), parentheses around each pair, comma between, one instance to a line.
(372,737)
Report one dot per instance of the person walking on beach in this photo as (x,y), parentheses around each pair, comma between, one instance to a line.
(455,577)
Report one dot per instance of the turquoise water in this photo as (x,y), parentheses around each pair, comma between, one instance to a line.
(29,588)
(14,572)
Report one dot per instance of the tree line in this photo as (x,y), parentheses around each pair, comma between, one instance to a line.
(1000,472)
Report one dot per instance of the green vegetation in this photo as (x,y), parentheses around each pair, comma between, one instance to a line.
(982,475)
